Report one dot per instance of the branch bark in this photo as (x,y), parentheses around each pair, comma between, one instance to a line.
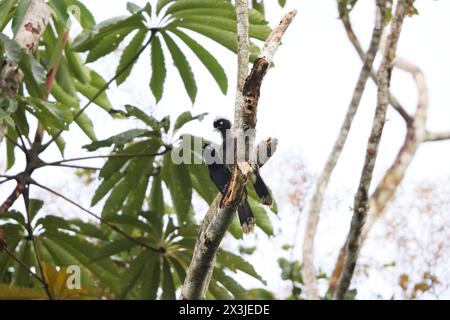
(385,191)
(360,208)
(221,211)
(308,270)
(33,25)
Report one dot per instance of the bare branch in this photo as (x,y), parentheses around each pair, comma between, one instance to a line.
(308,270)
(345,18)
(387,187)
(360,208)
(437,136)
(221,211)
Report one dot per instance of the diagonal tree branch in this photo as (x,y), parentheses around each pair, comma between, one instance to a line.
(385,191)
(345,19)
(221,211)
(308,270)
(360,208)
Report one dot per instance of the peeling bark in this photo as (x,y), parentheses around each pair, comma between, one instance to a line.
(221,211)
(34,22)
(361,202)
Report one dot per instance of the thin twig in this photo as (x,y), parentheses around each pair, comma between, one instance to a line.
(26,199)
(23,265)
(308,270)
(102,89)
(112,226)
(15,143)
(74,166)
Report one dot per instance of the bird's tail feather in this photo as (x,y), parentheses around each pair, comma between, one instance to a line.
(246,217)
(262,190)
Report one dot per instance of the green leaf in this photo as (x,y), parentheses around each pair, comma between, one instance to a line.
(258,31)
(106,185)
(230,284)
(224,37)
(89,39)
(133,275)
(161,4)
(129,54)
(235,262)
(53,115)
(282,3)
(19,13)
(89,91)
(182,65)
(118,140)
(83,252)
(196,4)
(5,7)
(158,69)
(86,125)
(151,277)
(218,291)
(156,205)
(141,115)
(186,117)
(76,66)
(108,44)
(178,181)
(85,18)
(35,206)
(261,217)
(112,248)
(10,155)
(138,167)
(255,17)
(168,286)
(208,60)
(12,49)
(35,75)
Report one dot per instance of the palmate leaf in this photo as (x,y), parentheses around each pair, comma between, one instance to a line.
(132,275)
(12,49)
(234,262)
(128,55)
(83,252)
(168,285)
(90,38)
(5,7)
(186,117)
(158,69)
(224,37)
(178,181)
(230,284)
(206,58)
(183,66)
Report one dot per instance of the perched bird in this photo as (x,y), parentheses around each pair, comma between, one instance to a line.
(220,173)
(227,150)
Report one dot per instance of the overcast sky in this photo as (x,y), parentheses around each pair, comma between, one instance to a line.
(303,101)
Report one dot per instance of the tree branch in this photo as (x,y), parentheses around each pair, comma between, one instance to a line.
(345,18)
(385,191)
(221,211)
(437,136)
(360,208)
(308,270)
(28,35)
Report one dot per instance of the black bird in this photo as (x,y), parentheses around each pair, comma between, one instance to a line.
(227,151)
(220,173)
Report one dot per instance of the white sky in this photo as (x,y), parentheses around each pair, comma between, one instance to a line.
(303,101)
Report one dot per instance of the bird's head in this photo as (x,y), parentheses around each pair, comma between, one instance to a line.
(222,125)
